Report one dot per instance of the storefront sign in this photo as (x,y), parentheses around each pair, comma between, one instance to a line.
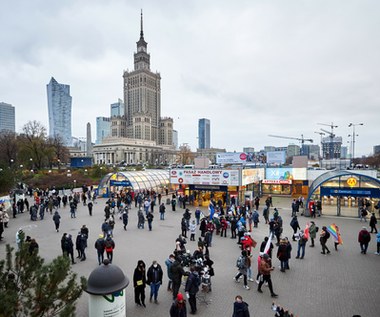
(347,191)
(124,183)
(252,175)
(204,177)
(352,181)
(208,188)
(277,181)
(284,173)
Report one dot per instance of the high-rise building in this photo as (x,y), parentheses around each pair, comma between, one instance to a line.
(88,140)
(331,147)
(103,128)
(292,150)
(117,109)
(175,139)
(142,96)
(7,117)
(204,133)
(376,149)
(311,150)
(59,104)
(344,152)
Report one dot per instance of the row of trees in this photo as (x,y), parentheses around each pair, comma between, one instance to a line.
(32,148)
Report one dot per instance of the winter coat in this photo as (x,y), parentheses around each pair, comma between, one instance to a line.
(154,275)
(139,275)
(192,283)
(100,245)
(364,236)
(56,217)
(240,310)
(372,221)
(282,252)
(178,310)
(313,231)
(176,271)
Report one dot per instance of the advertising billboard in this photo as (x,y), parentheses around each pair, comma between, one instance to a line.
(252,175)
(234,158)
(286,173)
(204,177)
(276,157)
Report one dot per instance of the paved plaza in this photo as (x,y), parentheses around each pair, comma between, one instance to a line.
(343,283)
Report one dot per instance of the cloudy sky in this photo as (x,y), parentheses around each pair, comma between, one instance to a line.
(252,67)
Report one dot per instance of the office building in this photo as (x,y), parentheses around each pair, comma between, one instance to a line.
(204,133)
(117,109)
(103,128)
(344,152)
(376,150)
(292,150)
(175,139)
(7,117)
(312,151)
(59,105)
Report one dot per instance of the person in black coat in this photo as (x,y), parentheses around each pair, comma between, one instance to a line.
(192,288)
(240,308)
(154,280)
(176,271)
(139,283)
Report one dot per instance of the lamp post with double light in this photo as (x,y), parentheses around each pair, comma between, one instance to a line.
(353,136)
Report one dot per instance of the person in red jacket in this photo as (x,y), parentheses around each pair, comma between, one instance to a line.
(364,238)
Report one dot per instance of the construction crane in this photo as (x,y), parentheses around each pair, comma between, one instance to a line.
(301,139)
(332,127)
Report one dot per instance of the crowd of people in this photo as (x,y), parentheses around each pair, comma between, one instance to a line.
(192,270)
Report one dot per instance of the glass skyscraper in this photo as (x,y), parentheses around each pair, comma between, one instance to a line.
(103,128)
(204,133)
(7,117)
(59,104)
(117,109)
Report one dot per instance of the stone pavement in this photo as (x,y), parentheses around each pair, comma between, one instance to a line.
(343,283)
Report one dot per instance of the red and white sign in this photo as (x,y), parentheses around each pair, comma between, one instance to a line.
(205,177)
(277,181)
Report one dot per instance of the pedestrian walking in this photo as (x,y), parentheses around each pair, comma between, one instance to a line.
(324,236)
(140,219)
(169,262)
(149,218)
(265,269)
(176,271)
(57,220)
(139,283)
(240,308)
(125,218)
(154,280)
(109,245)
(364,238)
(68,247)
(302,240)
(162,211)
(197,215)
(378,243)
(242,263)
(313,229)
(372,223)
(295,226)
(90,206)
(192,288)
(100,246)
(282,254)
(193,227)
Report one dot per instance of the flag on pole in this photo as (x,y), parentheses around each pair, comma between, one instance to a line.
(334,231)
(267,246)
(211,209)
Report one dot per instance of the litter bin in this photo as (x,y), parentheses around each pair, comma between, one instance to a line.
(106,286)
(168,201)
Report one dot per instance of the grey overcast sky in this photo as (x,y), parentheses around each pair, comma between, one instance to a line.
(252,67)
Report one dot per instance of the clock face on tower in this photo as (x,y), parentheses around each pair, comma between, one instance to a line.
(141,49)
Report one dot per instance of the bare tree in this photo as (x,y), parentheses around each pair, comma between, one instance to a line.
(8,148)
(185,154)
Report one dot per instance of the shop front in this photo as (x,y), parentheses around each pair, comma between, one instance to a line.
(202,185)
(344,193)
(285,181)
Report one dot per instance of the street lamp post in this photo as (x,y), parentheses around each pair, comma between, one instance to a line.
(353,136)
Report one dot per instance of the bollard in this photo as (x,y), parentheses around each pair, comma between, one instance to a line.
(106,286)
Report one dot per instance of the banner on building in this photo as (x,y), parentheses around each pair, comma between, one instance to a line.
(204,177)
(276,157)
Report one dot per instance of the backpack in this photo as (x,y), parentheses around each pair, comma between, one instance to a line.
(108,245)
(327,235)
(240,263)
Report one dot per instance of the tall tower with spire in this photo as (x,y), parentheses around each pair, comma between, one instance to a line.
(142,95)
